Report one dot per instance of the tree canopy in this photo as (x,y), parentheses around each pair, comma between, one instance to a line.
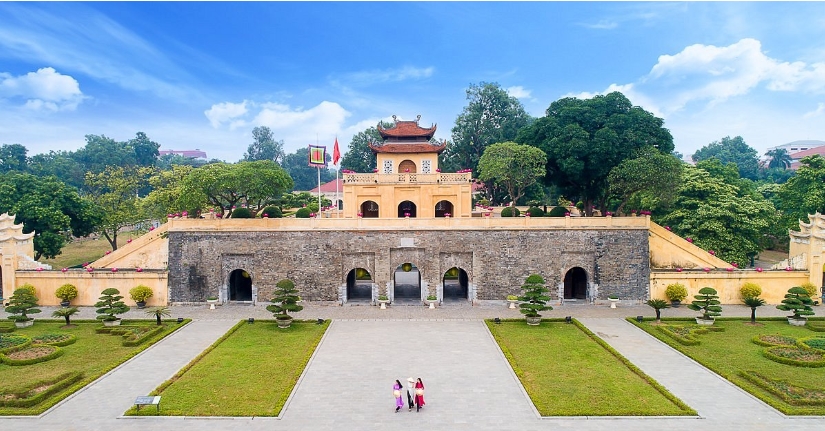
(513,166)
(804,193)
(304,177)
(651,173)
(584,139)
(491,116)
(359,157)
(733,150)
(115,192)
(264,146)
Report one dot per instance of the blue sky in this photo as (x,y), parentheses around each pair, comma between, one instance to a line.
(203,74)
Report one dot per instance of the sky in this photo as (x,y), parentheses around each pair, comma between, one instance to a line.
(202,75)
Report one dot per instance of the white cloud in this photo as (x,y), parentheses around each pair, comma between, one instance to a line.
(405,73)
(518,92)
(225,112)
(604,24)
(820,109)
(45,89)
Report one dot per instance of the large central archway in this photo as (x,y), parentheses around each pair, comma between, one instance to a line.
(455,285)
(443,208)
(240,286)
(359,285)
(407,284)
(575,284)
(369,209)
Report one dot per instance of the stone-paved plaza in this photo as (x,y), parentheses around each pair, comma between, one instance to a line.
(470,386)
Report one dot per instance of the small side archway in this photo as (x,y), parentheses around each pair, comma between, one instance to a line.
(575,284)
(407,282)
(442,208)
(455,285)
(240,285)
(369,209)
(407,167)
(406,208)
(359,285)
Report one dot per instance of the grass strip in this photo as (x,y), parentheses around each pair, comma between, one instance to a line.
(568,371)
(249,371)
(733,355)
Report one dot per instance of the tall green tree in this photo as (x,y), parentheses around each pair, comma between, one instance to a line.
(779,158)
(101,152)
(146,151)
(115,192)
(167,187)
(225,185)
(491,116)
(264,146)
(718,217)
(304,177)
(584,139)
(734,150)
(60,164)
(804,193)
(49,207)
(13,158)
(359,157)
(650,173)
(512,166)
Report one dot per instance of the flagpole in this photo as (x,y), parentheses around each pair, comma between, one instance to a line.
(319,178)
(337,171)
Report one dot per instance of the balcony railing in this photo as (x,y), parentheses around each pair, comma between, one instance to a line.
(409,178)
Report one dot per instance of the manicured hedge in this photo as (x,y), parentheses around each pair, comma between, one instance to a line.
(26,397)
(510,212)
(56,353)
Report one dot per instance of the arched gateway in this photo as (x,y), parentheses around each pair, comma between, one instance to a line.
(240,286)
(575,284)
(359,285)
(456,285)
(407,283)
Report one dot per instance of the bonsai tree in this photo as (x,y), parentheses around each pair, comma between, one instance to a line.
(658,305)
(707,301)
(21,304)
(109,305)
(66,293)
(65,313)
(140,294)
(796,300)
(534,299)
(750,290)
(159,312)
(753,302)
(285,300)
(676,292)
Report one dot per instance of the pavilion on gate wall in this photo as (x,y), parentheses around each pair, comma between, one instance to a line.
(408,181)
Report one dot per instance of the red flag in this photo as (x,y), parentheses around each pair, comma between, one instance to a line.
(336,153)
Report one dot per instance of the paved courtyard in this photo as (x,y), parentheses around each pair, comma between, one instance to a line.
(347,385)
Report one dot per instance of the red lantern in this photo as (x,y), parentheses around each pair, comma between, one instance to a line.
(139,269)
(678,269)
(758,269)
(89,269)
(129,240)
(707,269)
(114,269)
(64,269)
(39,269)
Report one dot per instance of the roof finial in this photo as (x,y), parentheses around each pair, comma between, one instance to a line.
(394,120)
(417,118)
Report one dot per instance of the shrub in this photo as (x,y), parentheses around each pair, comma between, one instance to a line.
(65,313)
(796,301)
(510,212)
(534,298)
(242,213)
(557,212)
(66,292)
(29,288)
(810,288)
(303,213)
(750,290)
(110,304)
(707,301)
(658,305)
(285,300)
(535,212)
(21,304)
(272,212)
(140,293)
(676,292)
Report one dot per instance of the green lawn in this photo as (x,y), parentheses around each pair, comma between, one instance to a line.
(82,250)
(92,355)
(568,371)
(250,371)
(731,353)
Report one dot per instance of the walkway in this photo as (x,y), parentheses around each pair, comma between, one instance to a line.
(469,384)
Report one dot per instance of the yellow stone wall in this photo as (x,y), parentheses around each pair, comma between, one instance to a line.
(416,158)
(774,284)
(148,251)
(89,285)
(425,196)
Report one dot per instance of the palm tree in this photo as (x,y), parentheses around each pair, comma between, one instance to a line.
(779,158)
(753,302)
(159,312)
(65,313)
(658,305)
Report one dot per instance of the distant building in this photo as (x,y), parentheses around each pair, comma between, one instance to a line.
(332,192)
(189,154)
(796,157)
(797,146)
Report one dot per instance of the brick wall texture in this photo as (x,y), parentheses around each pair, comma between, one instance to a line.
(496,261)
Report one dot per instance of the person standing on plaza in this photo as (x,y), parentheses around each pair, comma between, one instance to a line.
(410,391)
(396,392)
(419,394)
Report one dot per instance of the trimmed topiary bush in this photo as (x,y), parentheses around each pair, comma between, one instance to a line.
(272,212)
(66,292)
(303,213)
(557,212)
(810,288)
(242,213)
(510,212)
(750,290)
(676,292)
(535,212)
(110,305)
(285,300)
(28,287)
(21,304)
(140,293)
(796,301)
(534,299)
(707,301)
